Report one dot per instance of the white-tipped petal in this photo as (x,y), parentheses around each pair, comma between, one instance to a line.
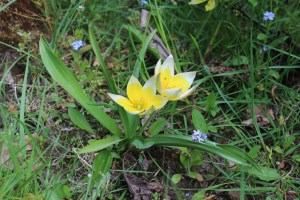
(189,76)
(158,83)
(157,67)
(172,93)
(125,103)
(151,83)
(169,63)
(187,93)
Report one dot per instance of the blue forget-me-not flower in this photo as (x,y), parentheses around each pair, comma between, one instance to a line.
(198,136)
(268,16)
(143,2)
(78,44)
(265,48)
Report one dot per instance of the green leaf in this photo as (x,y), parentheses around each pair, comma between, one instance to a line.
(102,163)
(262,36)
(296,157)
(139,144)
(199,195)
(254,151)
(157,126)
(253,2)
(61,74)
(278,149)
(236,61)
(265,173)
(176,178)
(288,141)
(100,144)
(199,121)
(79,120)
(211,105)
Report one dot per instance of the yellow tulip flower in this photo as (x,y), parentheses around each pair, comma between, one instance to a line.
(141,99)
(173,87)
(211,4)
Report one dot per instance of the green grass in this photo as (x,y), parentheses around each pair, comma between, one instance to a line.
(33,110)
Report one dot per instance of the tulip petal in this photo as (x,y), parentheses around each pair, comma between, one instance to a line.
(187,93)
(189,76)
(180,81)
(134,90)
(125,103)
(211,4)
(157,67)
(149,111)
(172,94)
(150,84)
(158,83)
(158,101)
(168,64)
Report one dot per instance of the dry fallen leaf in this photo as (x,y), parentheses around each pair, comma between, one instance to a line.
(261,113)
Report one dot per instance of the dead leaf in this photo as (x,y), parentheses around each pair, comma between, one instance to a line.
(4,159)
(138,186)
(261,112)
(9,78)
(28,141)
(12,108)
(210,197)
(96,62)
(199,177)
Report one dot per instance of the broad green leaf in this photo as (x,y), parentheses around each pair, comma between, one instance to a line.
(101,166)
(228,152)
(176,178)
(199,121)
(79,120)
(265,173)
(61,74)
(157,126)
(100,144)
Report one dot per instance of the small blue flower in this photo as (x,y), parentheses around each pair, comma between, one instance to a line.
(268,16)
(198,136)
(265,48)
(143,2)
(78,44)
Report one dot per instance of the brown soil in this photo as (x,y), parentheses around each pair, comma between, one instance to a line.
(19,17)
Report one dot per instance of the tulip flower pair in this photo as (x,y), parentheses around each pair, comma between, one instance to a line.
(143,99)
